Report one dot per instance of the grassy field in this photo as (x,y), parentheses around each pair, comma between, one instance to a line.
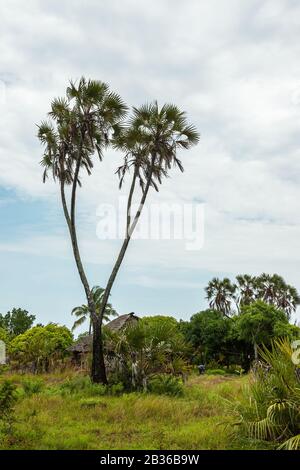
(49,418)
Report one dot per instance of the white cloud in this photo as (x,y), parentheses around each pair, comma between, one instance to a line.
(232,65)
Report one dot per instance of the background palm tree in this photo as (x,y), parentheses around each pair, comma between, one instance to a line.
(150,143)
(83,313)
(273,290)
(80,126)
(221,294)
(246,289)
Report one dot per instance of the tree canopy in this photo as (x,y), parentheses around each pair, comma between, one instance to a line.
(17,321)
(40,345)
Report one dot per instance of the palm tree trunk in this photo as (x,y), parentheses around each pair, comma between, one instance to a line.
(98,364)
(129,231)
(98,372)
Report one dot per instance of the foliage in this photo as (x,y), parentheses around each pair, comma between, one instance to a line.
(215,372)
(154,320)
(214,339)
(83,313)
(17,321)
(32,386)
(148,347)
(221,294)
(207,331)
(41,346)
(79,127)
(4,336)
(82,385)
(163,384)
(91,402)
(8,398)
(259,322)
(151,140)
(274,410)
(271,289)
(52,420)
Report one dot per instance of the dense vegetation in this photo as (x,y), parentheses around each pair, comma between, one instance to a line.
(63,411)
(153,375)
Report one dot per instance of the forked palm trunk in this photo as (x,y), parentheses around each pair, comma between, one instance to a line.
(98,371)
(129,231)
(98,364)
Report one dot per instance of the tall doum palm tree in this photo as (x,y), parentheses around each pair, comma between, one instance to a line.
(79,127)
(221,294)
(246,289)
(150,143)
(82,312)
(273,290)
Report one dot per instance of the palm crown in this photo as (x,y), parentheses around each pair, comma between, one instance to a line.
(82,312)
(80,125)
(151,140)
(220,294)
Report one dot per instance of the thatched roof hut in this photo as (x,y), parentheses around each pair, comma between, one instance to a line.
(84,344)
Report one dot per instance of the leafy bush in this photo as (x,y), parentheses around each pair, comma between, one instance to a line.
(163,384)
(235,369)
(8,397)
(82,385)
(273,413)
(116,389)
(41,347)
(215,372)
(32,386)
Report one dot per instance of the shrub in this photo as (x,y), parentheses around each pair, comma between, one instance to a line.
(216,372)
(82,385)
(273,413)
(116,389)
(8,397)
(41,347)
(32,386)
(163,384)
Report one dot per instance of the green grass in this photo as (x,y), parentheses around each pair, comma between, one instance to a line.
(51,419)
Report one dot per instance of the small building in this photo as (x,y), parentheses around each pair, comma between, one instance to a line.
(81,348)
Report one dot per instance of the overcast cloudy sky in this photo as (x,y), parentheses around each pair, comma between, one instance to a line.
(233,66)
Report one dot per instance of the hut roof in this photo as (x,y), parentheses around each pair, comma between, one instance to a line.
(118,323)
(84,344)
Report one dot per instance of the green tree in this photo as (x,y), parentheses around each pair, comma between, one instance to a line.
(80,126)
(17,321)
(151,321)
(4,336)
(82,312)
(150,144)
(246,286)
(221,295)
(259,323)
(207,331)
(41,346)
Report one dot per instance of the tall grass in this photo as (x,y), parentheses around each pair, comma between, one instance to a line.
(79,418)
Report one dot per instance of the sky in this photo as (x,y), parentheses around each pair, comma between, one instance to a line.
(232,66)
